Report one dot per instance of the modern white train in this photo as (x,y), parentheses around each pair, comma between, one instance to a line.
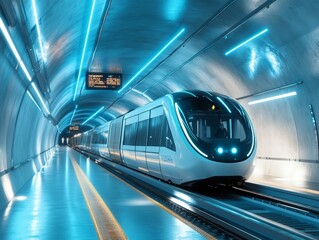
(184,138)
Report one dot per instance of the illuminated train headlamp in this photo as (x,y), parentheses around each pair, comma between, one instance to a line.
(220,150)
(234,150)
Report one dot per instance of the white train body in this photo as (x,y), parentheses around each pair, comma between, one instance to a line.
(178,138)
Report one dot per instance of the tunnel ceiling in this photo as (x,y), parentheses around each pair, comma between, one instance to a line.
(126,35)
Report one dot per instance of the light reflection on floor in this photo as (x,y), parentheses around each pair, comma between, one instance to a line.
(52,206)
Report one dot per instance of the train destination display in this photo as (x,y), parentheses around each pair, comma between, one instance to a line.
(74,128)
(103,81)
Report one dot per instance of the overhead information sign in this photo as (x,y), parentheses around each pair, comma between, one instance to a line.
(103,81)
(74,128)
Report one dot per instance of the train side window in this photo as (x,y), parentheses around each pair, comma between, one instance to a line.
(167,138)
(155,129)
(130,134)
(104,137)
(239,130)
(141,138)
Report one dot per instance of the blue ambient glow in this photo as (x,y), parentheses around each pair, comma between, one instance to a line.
(34,101)
(219,99)
(247,41)
(84,49)
(57,127)
(73,114)
(39,96)
(220,150)
(13,48)
(173,9)
(96,113)
(146,65)
(38,28)
(253,63)
(234,150)
(273,98)
(274,61)
(177,109)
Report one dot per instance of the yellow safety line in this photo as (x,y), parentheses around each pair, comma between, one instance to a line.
(197,229)
(281,186)
(106,225)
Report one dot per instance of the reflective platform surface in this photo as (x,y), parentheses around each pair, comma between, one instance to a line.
(53,205)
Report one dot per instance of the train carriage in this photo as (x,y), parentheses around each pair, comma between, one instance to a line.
(186,138)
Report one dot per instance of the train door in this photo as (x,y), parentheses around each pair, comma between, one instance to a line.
(103,141)
(141,141)
(115,140)
(153,142)
(129,138)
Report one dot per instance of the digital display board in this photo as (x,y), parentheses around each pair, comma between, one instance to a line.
(103,81)
(74,128)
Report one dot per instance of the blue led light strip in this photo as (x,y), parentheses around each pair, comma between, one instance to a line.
(96,113)
(84,49)
(73,114)
(273,98)
(149,62)
(16,54)
(39,96)
(13,48)
(34,101)
(219,99)
(247,41)
(38,28)
(177,109)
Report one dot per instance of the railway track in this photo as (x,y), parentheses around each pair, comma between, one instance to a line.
(229,214)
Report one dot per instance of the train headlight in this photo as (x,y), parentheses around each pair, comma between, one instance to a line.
(234,150)
(220,150)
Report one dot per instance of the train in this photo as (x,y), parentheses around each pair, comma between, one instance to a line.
(186,138)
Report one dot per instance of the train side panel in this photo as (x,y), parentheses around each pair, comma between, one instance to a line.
(115,140)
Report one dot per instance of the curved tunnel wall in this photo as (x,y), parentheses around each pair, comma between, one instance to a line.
(287,140)
(26,136)
(287,55)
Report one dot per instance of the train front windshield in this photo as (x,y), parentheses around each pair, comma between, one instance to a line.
(217,127)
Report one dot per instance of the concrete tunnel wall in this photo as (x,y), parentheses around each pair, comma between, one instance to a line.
(286,135)
(26,136)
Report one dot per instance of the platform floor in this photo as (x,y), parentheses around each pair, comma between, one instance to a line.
(72,196)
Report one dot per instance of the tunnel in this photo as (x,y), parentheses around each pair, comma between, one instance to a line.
(53,54)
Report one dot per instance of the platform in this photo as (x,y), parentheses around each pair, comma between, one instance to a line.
(73,198)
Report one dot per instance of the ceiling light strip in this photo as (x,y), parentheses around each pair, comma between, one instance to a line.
(14,49)
(34,101)
(273,98)
(84,49)
(39,96)
(73,114)
(149,62)
(247,41)
(35,14)
(96,113)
